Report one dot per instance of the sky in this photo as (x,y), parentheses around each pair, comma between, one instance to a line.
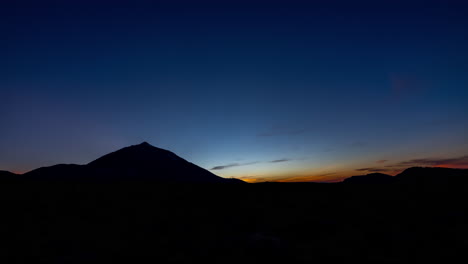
(257,90)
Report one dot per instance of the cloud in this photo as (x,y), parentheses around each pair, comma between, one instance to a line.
(280,160)
(381,161)
(230,165)
(457,162)
(372,169)
(446,162)
(327,174)
(222,167)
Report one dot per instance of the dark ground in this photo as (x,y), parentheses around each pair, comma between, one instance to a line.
(143,222)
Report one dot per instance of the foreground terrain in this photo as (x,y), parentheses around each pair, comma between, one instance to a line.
(145,222)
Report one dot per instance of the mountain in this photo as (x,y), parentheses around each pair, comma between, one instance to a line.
(138,162)
(4,174)
(60,171)
(373,178)
(432,175)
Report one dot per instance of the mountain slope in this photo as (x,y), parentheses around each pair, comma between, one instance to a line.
(5,174)
(432,175)
(373,178)
(59,171)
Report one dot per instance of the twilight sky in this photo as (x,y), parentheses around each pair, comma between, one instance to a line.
(259,90)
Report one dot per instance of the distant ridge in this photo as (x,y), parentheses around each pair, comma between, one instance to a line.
(434,175)
(373,178)
(137,162)
(4,174)
(414,175)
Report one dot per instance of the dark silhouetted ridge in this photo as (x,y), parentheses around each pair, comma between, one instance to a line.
(59,171)
(415,175)
(137,162)
(373,178)
(7,174)
(431,175)
(149,162)
(142,155)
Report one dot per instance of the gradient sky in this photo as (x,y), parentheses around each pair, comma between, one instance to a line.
(259,90)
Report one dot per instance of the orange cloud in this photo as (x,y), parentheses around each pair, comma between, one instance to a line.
(457,162)
(455,166)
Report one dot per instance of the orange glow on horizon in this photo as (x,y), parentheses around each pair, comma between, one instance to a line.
(335,177)
(297,178)
(454,166)
(251,180)
(326,179)
(443,166)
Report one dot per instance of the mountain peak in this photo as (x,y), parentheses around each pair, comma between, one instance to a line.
(136,156)
(141,145)
(145,144)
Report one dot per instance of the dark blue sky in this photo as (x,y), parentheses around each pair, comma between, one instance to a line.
(257,89)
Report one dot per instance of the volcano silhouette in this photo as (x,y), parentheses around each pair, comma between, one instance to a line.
(138,162)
